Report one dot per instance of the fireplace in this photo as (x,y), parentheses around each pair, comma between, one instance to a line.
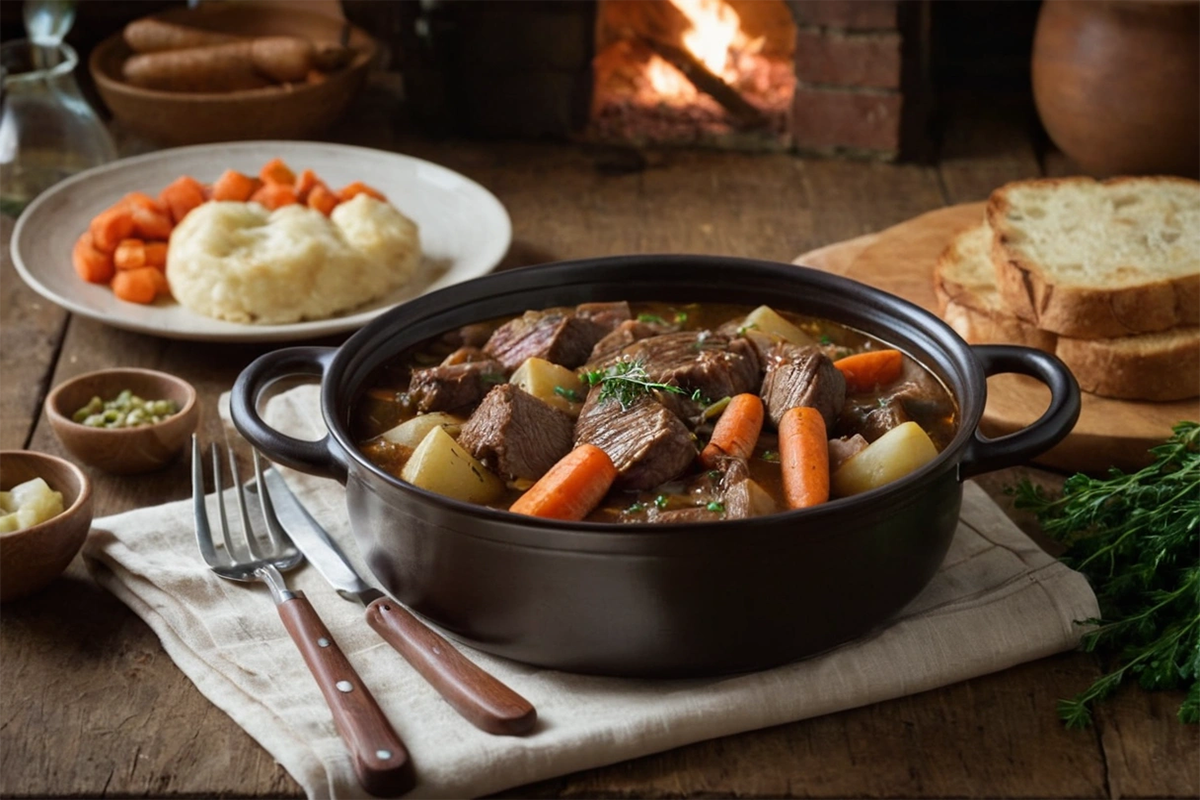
(827,76)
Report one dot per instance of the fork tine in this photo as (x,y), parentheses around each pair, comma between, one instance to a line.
(204,539)
(279,538)
(243,512)
(234,553)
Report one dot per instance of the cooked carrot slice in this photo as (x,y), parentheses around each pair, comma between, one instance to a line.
(140,285)
(181,196)
(275,171)
(148,224)
(130,254)
(357,188)
(321,199)
(156,254)
(110,226)
(305,184)
(233,185)
(274,195)
(91,264)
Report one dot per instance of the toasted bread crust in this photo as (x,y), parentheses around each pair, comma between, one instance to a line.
(1078,311)
(1159,366)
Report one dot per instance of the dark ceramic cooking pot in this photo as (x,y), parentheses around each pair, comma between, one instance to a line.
(656,600)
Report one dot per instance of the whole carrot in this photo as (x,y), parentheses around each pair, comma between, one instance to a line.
(804,457)
(865,371)
(736,432)
(572,487)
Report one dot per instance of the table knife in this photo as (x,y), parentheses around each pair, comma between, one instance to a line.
(478,696)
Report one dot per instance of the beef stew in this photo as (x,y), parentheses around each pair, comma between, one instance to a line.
(483,414)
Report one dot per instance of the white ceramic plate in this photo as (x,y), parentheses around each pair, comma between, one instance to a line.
(464,230)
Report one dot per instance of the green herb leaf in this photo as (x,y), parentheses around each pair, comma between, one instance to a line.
(569,394)
(661,501)
(651,318)
(1135,537)
(716,505)
(770,455)
(681,317)
(626,382)
(635,508)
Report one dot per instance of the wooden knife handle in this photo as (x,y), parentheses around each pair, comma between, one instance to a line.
(478,696)
(380,759)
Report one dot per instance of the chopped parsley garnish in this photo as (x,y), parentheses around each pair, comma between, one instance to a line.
(770,455)
(716,505)
(661,501)
(681,317)
(570,394)
(741,331)
(825,339)
(626,382)
(713,474)
(651,318)
(492,378)
(635,508)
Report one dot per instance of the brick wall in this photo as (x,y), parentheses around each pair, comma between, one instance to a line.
(859,74)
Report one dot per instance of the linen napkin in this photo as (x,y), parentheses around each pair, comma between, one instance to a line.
(998,600)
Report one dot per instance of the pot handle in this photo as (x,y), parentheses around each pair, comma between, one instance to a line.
(318,457)
(983,454)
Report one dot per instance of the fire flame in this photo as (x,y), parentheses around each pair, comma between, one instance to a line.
(714,38)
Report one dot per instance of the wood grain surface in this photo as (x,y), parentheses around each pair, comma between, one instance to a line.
(1109,433)
(92,706)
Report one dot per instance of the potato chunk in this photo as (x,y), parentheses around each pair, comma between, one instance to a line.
(28,504)
(411,432)
(552,384)
(440,465)
(895,454)
(764,319)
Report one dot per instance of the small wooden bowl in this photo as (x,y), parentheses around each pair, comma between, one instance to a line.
(31,558)
(124,451)
(290,111)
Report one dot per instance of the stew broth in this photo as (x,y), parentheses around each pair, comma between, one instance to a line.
(698,494)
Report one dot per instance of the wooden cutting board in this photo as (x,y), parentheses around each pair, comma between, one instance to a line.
(900,260)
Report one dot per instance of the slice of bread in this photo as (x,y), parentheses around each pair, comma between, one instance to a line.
(1158,366)
(1093,259)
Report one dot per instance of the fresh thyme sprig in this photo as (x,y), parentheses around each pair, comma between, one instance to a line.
(1136,538)
(627,382)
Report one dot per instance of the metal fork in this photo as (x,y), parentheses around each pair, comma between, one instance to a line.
(380,759)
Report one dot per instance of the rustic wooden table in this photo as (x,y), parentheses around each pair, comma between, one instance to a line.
(91,705)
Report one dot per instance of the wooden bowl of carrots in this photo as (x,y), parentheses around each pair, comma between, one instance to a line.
(295,110)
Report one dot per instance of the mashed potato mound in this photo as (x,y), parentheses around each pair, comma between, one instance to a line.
(243,263)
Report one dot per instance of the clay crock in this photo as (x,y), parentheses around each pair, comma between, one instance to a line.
(1117,84)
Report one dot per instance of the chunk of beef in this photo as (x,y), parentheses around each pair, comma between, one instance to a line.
(746,499)
(621,337)
(647,443)
(449,387)
(608,315)
(842,450)
(871,417)
(687,516)
(519,435)
(717,365)
(802,376)
(557,335)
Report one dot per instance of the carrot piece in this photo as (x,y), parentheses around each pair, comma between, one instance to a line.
(130,254)
(156,254)
(144,201)
(148,224)
(181,196)
(572,487)
(139,285)
(322,199)
(305,183)
(110,226)
(91,264)
(357,188)
(736,431)
(233,185)
(275,171)
(865,371)
(274,195)
(804,457)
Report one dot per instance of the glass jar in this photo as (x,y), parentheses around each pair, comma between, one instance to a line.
(47,130)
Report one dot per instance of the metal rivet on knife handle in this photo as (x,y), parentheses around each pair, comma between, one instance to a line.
(479,697)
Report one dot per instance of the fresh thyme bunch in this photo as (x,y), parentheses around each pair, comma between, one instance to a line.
(1137,539)
(627,381)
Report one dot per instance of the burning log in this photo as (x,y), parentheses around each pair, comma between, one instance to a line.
(745,113)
